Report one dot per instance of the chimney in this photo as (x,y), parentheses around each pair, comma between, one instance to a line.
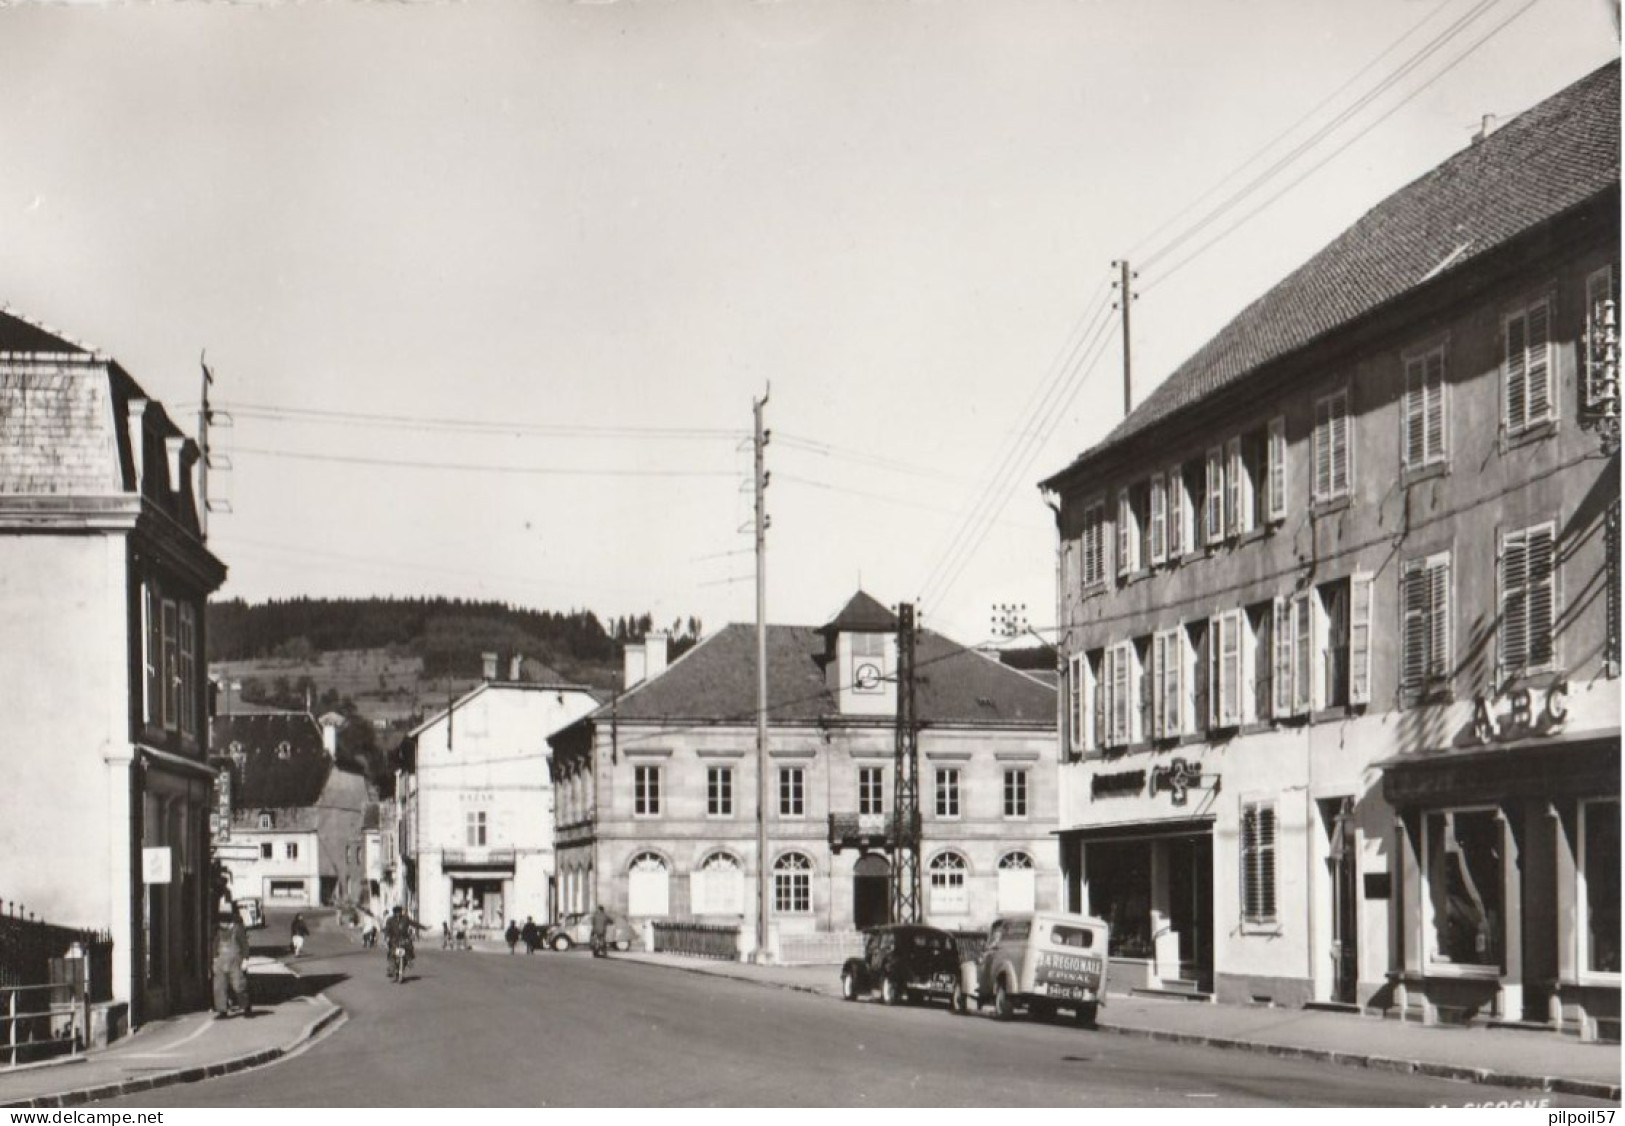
(654,650)
(516,666)
(135,422)
(1486,126)
(173,448)
(636,665)
(489,660)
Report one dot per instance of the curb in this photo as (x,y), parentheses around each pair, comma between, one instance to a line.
(245,1062)
(1584,1088)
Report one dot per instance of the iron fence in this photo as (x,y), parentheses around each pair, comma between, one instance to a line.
(49,976)
(697,940)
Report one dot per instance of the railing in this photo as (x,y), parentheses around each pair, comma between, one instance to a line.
(29,945)
(697,940)
(865,830)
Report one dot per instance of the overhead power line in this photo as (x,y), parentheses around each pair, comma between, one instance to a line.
(464,467)
(269,413)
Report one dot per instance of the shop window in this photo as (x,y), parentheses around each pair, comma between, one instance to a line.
(792,884)
(792,791)
(1527,371)
(1425,640)
(947,791)
(1258,863)
(1422,412)
(646,791)
(949,894)
(1333,455)
(1528,600)
(1464,887)
(719,791)
(1599,886)
(871,790)
(1118,875)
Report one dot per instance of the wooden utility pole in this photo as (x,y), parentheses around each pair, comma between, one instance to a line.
(763,886)
(1126,299)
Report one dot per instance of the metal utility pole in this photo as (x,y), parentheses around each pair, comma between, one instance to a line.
(763,887)
(905,836)
(1125,299)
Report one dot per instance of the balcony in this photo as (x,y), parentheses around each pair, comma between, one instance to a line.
(864,830)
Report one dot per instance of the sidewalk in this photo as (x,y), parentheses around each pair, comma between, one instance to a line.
(183,1049)
(1540,1061)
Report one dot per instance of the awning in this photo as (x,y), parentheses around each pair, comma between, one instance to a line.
(1582,764)
(1140,830)
(200,770)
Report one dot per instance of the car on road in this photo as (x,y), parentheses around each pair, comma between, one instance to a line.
(1042,962)
(576,930)
(903,962)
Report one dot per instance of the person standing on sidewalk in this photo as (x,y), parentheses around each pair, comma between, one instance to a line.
(230,962)
(600,932)
(531,934)
(512,935)
(300,933)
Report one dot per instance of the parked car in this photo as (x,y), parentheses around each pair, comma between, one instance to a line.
(905,963)
(1042,962)
(576,930)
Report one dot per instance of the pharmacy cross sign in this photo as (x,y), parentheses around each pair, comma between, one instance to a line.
(1179,777)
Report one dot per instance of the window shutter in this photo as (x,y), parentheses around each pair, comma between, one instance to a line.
(1433,406)
(1340,445)
(1415,412)
(1302,653)
(1249,863)
(1277,469)
(1281,652)
(1541,597)
(1439,632)
(1514,604)
(1146,693)
(1100,702)
(1074,703)
(1229,668)
(1416,633)
(1215,673)
(1361,596)
(1538,365)
(1235,516)
(1159,671)
(1176,682)
(1159,519)
(1322,450)
(1125,533)
(1215,495)
(154,658)
(1176,515)
(1515,409)
(1266,863)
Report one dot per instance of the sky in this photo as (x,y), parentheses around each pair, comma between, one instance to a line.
(489,289)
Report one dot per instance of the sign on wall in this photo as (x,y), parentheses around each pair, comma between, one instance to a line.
(1519,713)
(156,865)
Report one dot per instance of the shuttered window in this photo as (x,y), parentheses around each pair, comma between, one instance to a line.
(1425,640)
(1238,499)
(1168,659)
(1303,654)
(1128,533)
(1094,544)
(1225,668)
(1213,522)
(1159,519)
(1258,862)
(171,665)
(1423,411)
(1362,593)
(1281,653)
(1122,688)
(1528,367)
(188,670)
(1528,600)
(1331,447)
(1180,533)
(1275,506)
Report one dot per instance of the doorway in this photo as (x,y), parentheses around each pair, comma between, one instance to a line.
(1190,906)
(1341,865)
(871,891)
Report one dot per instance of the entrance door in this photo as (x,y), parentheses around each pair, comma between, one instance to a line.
(871,892)
(1190,907)
(1345,919)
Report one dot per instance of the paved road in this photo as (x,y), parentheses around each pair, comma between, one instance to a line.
(473,1029)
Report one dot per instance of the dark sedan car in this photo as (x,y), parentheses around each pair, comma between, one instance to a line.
(904,963)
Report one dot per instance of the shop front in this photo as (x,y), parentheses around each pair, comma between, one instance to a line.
(172,917)
(1509,883)
(1153,884)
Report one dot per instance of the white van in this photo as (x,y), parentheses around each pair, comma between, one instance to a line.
(1042,962)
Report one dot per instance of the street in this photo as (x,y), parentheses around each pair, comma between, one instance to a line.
(477,1029)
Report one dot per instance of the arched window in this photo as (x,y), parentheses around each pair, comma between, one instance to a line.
(1017,882)
(648,886)
(949,895)
(792,884)
(718,886)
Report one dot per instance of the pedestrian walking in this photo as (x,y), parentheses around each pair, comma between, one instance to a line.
(531,934)
(512,935)
(230,962)
(300,933)
(369,930)
(600,932)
